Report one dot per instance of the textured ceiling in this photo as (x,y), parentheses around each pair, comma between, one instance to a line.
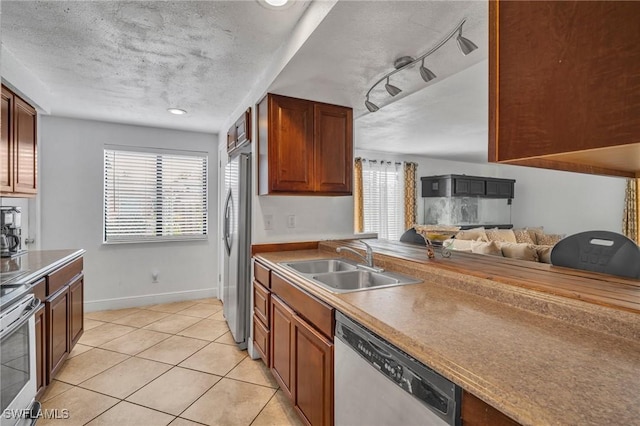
(130,61)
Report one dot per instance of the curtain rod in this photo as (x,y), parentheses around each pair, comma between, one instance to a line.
(397,163)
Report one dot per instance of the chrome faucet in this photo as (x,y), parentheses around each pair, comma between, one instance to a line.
(368,259)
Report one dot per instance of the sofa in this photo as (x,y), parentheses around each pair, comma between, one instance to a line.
(531,244)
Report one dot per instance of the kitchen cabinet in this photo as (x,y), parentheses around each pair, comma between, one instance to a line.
(304,147)
(564,91)
(476,412)
(240,132)
(76,309)
(18,147)
(300,328)
(467,186)
(41,349)
(59,344)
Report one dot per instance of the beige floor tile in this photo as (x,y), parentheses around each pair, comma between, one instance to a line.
(54,389)
(79,349)
(172,324)
(172,308)
(89,323)
(206,330)
(278,412)
(87,365)
(201,310)
(218,316)
(229,402)
(174,391)
(141,318)
(127,414)
(82,405)
(136,341)
(109,316)
(210,301)
(173,350)
(104,333)
(253,371)
(226,339)
(183,422)
(215,359)
(126,378)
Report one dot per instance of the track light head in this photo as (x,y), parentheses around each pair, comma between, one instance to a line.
(465,45)
(371,106)
(393,90)
(426,74)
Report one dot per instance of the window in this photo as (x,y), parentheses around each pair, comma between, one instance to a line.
(383,198)
(154,195)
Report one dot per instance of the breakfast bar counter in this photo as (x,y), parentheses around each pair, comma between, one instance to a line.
(537,357)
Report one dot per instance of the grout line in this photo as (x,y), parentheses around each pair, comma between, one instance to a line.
(265,406)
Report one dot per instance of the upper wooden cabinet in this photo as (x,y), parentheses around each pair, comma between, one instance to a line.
(240,132)
(564,85)
(18,146)
(304,147)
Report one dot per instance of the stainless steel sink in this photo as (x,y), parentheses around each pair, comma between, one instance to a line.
(321,266)
(340,276)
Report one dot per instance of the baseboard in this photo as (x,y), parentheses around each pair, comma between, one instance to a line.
(148,299)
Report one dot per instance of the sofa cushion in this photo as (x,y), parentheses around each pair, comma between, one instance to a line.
(523,236)
(544,253)
(477,234)
(543,239)
(520,251)
(492,248)
(501,235)
(458,245)
(533,231)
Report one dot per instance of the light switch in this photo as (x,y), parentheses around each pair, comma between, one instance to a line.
(268,222)
(291,221)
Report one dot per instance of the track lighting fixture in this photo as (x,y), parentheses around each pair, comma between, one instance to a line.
(465,45)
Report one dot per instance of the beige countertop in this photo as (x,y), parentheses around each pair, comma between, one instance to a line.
(536,357)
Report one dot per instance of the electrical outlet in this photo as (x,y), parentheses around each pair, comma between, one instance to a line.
(154,276)
(268,222)
(291,221)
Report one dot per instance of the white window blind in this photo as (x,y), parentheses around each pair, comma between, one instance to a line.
(154,196)
(383,198)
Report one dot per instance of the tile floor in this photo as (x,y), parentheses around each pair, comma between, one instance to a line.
(171,364)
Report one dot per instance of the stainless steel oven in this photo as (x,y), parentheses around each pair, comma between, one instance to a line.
(18,362)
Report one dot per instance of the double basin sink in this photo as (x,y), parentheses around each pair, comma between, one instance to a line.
(344,276)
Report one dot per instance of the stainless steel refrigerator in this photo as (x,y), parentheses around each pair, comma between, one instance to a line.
(236,285)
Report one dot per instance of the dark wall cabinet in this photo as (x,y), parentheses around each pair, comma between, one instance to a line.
(300,348)
(467,186)
(240,132)
(304,147)
(18,147)
(564,91)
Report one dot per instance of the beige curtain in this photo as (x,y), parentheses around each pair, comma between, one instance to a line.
(630,221)
(358,216)
(409,194)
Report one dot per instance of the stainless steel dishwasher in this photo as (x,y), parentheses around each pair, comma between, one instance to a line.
(377,384)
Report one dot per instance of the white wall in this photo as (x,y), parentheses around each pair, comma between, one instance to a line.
(562,202)
(71,194)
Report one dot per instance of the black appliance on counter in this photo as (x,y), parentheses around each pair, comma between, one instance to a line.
(10,231)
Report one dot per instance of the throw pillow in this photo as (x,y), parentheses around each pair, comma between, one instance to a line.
(533,231)
(547,239)
(520,251)
(476,234)
(491,248)
(523,236)
(502,235)
(544,253)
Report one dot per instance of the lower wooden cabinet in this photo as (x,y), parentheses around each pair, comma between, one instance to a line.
(59,344)
(476,412)
(41,349)
(76,310)
(281,344)
(261,340)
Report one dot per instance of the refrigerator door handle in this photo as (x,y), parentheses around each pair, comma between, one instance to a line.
(227,218)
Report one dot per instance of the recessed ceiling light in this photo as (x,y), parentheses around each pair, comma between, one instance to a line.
(176,111)
(276,3)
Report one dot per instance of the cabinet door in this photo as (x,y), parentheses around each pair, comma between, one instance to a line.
(281,344)
(76,310)
(25,148)
(6,143)
(261,340)
(58,324)
(41,349)
(333,146)
(290,144)
(313,374)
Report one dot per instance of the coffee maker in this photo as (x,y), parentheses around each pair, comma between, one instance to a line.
(10,231)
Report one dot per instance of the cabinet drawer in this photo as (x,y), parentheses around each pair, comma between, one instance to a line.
(262,274)
(313,310)
(261,302)
(261,340)
(39,289)
(62,277)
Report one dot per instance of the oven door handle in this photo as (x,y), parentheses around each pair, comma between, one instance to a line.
(28,312)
